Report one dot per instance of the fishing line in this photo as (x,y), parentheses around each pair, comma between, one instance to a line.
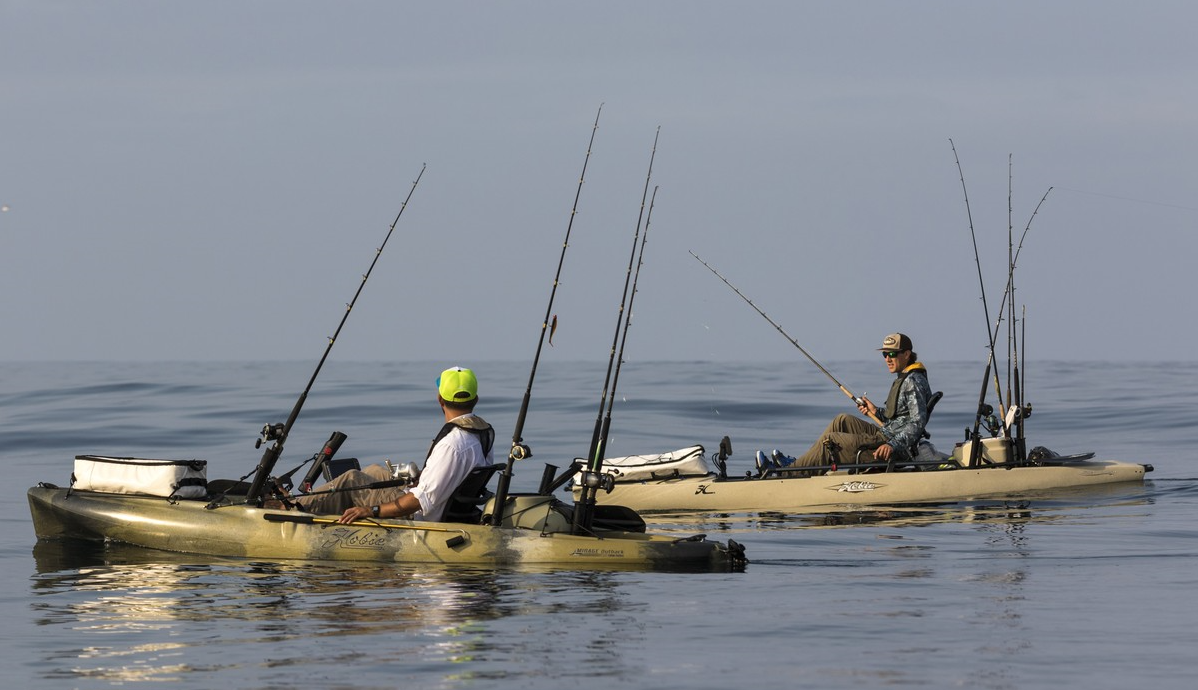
(1134,201)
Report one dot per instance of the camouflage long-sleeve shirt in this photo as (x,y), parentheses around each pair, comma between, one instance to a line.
(906,412)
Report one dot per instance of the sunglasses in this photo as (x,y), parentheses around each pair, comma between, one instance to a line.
(891,354)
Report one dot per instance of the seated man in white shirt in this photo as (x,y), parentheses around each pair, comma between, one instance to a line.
(463,444)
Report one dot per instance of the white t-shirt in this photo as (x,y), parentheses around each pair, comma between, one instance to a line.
(452,459)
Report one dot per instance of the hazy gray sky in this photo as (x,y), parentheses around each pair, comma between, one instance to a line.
(209,180)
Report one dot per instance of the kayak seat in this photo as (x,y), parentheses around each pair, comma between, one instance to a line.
(914,450)
(472,494)
(334,468)
(616,518)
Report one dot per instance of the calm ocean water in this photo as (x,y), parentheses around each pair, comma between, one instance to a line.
(1091,589)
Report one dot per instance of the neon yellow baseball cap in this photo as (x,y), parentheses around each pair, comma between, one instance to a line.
(457,385)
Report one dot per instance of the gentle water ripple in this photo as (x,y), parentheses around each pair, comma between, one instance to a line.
(985,594)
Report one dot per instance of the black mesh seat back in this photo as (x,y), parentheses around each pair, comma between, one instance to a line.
(931,406)
(470,496)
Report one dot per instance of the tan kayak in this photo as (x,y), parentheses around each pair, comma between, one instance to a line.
(789,492)
(539,533)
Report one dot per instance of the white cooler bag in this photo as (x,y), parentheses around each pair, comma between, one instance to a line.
(684,462)
(169,478)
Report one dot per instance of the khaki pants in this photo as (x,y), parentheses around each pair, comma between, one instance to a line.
(847,433)
(340,501)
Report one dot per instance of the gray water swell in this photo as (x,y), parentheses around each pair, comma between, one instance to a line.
(1089,588)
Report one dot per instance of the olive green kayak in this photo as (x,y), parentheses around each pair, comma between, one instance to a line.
(536,530)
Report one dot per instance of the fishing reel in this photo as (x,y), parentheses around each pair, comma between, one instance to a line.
(407,471)
(986,416)
(1018,412)
(520,451)
(596,480)
(270,432)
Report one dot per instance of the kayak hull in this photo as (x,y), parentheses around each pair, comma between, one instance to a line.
(246,531)
(713,493)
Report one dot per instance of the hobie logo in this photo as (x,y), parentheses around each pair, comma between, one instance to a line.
(854,487)
(348,538)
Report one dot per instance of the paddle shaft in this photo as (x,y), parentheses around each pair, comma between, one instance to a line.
(317,520)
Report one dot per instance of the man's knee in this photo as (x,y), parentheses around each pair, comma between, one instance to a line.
(351,478)
(841,423)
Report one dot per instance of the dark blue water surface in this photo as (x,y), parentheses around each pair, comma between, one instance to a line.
(1085,589)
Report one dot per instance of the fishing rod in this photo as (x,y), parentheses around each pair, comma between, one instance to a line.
(1024,409)
(584,509)
(519,450)
(276,434)
(860,401)
(1009,295)
(594,452)
(1018,409)
(981,408)
(984,410)
(624,336)
(1009,290)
